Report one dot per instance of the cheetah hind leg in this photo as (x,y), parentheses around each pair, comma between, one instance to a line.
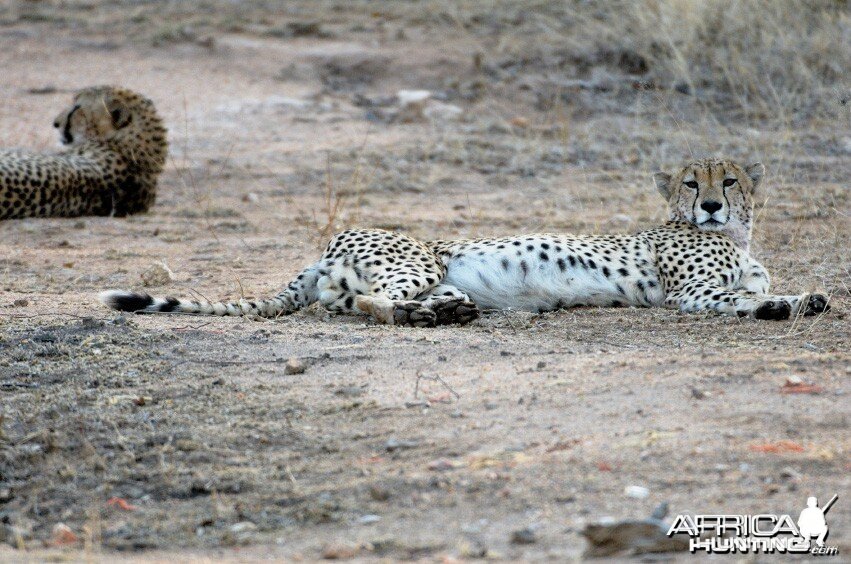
(451,305)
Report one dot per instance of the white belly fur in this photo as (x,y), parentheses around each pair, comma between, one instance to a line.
(543,286)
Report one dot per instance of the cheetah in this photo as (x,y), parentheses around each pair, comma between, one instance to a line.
(116,150)
(697,261)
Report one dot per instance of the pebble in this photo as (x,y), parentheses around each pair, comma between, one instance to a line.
(369,519)
(62,535)
(396,444)
(379,493)
(243,527)
(698,394)
(441,465)
(636,492)
(158,274)
(339,552)
(295,366)
(524,536)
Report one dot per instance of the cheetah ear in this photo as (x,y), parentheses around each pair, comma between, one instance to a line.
(663,184)
(121,116)
(756,171)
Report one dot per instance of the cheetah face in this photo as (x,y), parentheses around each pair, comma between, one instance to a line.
(95,114)
(714,195)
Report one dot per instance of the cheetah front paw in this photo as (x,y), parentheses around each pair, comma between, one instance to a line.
(774,310)
(455,311)
(816,304)
(413,314)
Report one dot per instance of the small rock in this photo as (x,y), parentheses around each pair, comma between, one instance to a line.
(20,303)
(395,444)
(794,380)
(682,88)
(369,519)
(524,536)
(62,535)
(406,97)
(243,527)
(636,492)
(251,198)
(339,552)
(412,104)
(698,394)
(442,465)
(6,495)
(295,366)
(379,493)
(423,404)
(157,274)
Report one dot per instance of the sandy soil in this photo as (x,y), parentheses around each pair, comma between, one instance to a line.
(394,442)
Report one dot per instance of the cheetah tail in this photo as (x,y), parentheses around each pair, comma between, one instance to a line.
(135,302)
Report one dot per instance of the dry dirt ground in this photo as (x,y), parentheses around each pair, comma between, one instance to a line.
(393,442)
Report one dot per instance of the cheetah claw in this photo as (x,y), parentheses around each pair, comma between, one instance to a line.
(458,311)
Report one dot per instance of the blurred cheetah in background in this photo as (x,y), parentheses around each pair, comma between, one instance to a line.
(116,150)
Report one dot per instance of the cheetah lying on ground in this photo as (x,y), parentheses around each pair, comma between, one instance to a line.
(696,261)
(116,150)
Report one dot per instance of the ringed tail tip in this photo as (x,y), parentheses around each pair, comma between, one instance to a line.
(126,301)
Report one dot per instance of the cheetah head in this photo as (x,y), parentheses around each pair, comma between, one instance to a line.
(714,195)
(99,112)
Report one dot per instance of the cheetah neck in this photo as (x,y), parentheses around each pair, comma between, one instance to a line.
(740,234)
(146,149)
(737,230)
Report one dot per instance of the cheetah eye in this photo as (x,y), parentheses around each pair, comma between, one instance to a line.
(691,184)
(729,181)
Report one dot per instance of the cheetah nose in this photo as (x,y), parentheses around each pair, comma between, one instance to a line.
(711,206)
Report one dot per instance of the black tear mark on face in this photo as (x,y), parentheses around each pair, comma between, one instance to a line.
(67,138)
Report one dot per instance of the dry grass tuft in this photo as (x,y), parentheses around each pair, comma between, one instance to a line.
(760,56)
